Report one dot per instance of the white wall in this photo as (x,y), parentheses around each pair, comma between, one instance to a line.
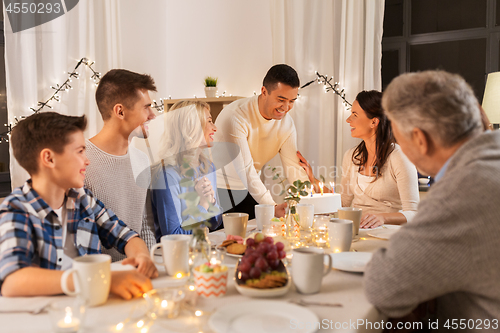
(184,41)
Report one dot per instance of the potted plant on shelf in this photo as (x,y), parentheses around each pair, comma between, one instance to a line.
(210,86)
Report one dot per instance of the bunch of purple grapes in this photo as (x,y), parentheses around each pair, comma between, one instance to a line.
(261,255)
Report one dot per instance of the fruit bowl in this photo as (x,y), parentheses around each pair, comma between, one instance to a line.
(263,293)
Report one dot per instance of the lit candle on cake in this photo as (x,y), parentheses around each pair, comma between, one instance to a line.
(332,185)
(321,187)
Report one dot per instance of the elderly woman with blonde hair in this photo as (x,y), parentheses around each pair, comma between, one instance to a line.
(188,133)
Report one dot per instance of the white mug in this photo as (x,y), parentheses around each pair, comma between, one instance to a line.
(340,235)
(308,269)
(306,215)
(175,253)
(235,224)
(353,214)
(263,215)
(91,277)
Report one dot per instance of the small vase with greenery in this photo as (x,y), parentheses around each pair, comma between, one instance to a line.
(292,198)
(210,86)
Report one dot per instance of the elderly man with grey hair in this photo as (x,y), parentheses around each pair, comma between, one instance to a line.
(450,253)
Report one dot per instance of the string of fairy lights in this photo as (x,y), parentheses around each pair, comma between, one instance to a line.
(56,95)
(328,85)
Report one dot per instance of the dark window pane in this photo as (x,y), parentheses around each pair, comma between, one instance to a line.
(497,17)
(390,66)
(465,57)
(446,15)
(499,54)
(393,18)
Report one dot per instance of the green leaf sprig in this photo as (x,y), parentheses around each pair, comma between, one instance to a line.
(294,191)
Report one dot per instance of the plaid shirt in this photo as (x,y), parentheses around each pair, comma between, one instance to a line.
(31,234)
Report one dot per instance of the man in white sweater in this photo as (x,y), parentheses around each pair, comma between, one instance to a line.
(118,174)
(261,128)
(450,252)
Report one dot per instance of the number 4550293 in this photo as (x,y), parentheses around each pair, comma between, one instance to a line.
(33,8)
(470,324)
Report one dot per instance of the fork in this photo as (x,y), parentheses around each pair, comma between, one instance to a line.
(307,303)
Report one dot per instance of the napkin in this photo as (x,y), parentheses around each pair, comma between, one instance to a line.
(24,304)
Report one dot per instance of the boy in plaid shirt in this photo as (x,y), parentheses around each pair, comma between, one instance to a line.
(52,218)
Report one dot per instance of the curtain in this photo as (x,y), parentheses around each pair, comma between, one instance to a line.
(339,38)
(40,57)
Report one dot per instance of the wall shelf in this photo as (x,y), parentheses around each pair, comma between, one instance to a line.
(216,103)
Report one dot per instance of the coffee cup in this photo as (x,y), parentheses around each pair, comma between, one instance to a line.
(175,253)
(263,215)
(353,214)
(91,278)
(235,224)
(340,235)
(308,269)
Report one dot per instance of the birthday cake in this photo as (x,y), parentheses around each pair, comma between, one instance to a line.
(323,203)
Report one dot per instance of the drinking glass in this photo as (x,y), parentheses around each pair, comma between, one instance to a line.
(320,231)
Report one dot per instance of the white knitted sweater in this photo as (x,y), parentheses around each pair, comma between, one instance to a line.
(121,183)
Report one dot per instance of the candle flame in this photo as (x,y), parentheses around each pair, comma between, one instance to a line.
(140,323)
(164,304)
(321,187)
(191,288)
(179,275)
(119,327)
(198,313)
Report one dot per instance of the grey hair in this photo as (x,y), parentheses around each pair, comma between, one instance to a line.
(441,104)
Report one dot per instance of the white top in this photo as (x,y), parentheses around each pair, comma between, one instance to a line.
(259,141)
(364,181)
(121,183)
(69,250)
(395,190)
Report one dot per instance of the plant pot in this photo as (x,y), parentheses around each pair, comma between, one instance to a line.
(210,91)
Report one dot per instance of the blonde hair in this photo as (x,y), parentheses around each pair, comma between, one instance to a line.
(184,134)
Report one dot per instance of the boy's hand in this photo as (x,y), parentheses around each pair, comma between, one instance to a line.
(129,284)
(144,265)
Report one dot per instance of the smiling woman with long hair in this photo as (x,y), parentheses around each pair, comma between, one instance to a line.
(376,175)
(189,130)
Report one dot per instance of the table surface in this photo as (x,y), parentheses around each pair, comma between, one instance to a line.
(337,287)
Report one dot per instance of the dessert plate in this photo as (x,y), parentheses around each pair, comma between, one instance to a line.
(234,255)
(350,261)
(262,317)
(264,293)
